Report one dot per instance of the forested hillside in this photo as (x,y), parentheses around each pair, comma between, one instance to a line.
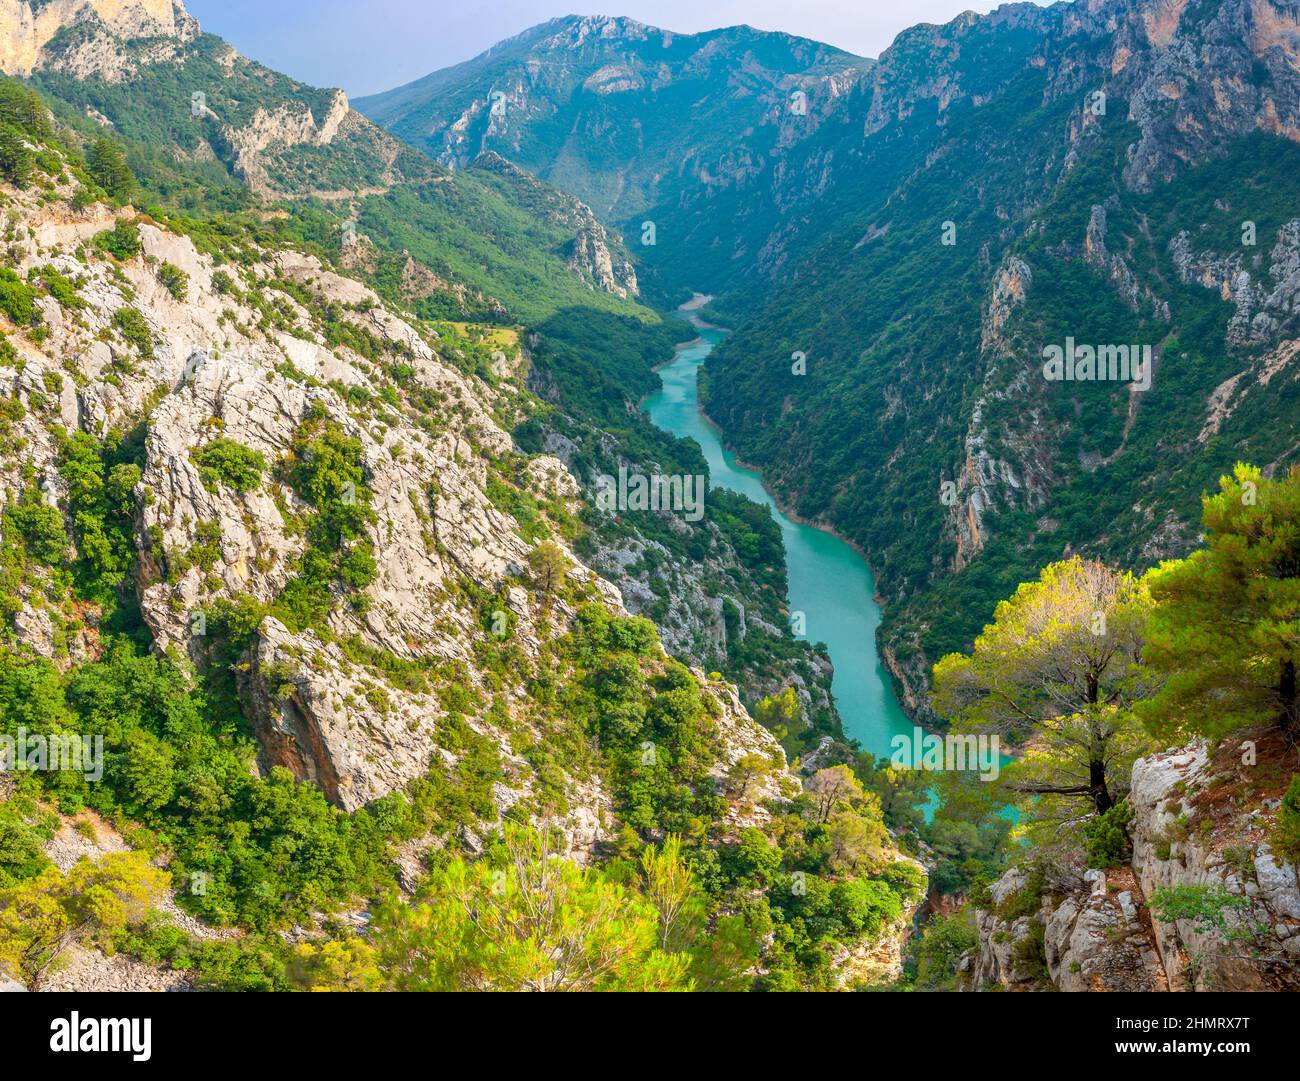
(324,666)
(271,548)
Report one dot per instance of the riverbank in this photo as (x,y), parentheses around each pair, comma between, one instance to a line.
(830,587)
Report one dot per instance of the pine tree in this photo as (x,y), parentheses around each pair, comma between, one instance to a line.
(1060,664)
(15,156)
(1226,625)
(24,109)
(107,164)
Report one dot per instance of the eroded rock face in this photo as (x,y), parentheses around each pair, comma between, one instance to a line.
(1100,930)
(26,28)
(1087,933)
(327,718)
(1173,794)
(329,722)
(995,962)
(1096,939)
(1262,287)
(317,696)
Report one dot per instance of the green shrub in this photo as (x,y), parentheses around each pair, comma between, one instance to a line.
(1107,836)
(327,473)
(176,281)
(1206,908)
(1029,954)
(41,528)
(62,289)
(122,241)
(17,298)
(135,330)
(223,461)
(944,941)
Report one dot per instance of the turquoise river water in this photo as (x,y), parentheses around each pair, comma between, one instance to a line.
(828,580)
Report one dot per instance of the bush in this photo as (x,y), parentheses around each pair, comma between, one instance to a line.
(1107,836)
(1029,955)
(62,289)
(865,906)
(135,330)
(176,281)
(17,298)
(41,528)
(326,472)
(944,941)
(223,461)
(121,242)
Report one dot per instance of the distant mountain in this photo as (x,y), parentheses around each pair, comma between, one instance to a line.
(490,240)
(619,114)
(1109,171)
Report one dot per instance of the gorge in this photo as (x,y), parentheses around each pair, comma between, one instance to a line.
(830,591)
(351,462)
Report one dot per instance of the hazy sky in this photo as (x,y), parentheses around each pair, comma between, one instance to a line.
(370,45)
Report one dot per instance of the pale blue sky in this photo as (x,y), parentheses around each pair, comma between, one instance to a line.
(370,45)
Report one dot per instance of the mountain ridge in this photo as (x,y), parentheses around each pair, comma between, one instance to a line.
(524,98)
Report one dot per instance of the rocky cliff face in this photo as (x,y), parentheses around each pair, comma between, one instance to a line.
(1200,821)
(595,104)
(320,701)
(1149,149)
(98,27)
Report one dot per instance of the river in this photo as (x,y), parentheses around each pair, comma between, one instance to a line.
(829,582)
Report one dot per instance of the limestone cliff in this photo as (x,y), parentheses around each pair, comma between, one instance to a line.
(99,28)
(1200,821)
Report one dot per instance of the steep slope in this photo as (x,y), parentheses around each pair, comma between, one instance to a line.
(190,106)
(1200,830)
(267,533)
(1109,172)
(622,115)
(209,129)
(1006,210)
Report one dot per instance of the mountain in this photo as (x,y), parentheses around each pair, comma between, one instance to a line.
(984,189)
(297,431)
(925,428)
(179,95)
(206,128)
(353,682)
(622,115)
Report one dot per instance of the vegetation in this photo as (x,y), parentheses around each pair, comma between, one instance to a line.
(224,461)
(50,912)
(1081,669)
(1224,629)
(1060,665)
(106,163)
(175,280)
(325,471)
